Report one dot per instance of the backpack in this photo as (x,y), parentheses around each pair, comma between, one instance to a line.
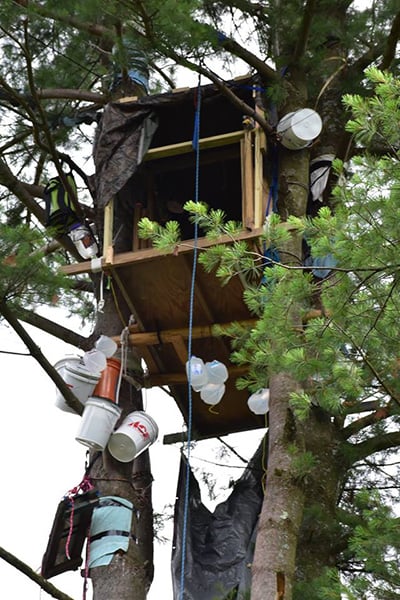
(60,213)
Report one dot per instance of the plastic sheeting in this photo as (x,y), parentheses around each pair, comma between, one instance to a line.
(219,545)
(123,138)
(110,529)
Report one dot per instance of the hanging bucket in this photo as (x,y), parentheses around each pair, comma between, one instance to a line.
(108,382)
(98,421)
(136,433)
(79,379)
(298,129)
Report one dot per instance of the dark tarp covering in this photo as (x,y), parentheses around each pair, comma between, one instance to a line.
(123,138)
(219,545)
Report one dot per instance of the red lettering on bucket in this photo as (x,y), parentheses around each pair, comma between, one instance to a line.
(140,427)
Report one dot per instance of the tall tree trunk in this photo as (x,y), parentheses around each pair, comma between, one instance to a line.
(282,510)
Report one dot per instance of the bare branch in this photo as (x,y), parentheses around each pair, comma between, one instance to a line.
(391,44)
(304,30)
(356,426)
(26,570)
(58,331)
(8,179)
(35,351)
(71,94)
(373,445)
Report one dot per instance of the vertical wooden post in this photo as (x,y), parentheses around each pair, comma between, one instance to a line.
(258,178)
(260,184)
(108,250)
(246,162)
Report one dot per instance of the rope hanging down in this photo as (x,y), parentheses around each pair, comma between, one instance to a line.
(196,146)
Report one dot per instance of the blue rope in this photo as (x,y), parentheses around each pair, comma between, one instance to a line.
(196,146)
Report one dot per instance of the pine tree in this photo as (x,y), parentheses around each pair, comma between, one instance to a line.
(333,378)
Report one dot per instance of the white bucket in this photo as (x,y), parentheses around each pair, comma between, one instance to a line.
(136,433)
(60,367)
(98,421)
(298,129)
(81,381)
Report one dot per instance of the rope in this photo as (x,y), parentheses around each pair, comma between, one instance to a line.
(196,146)
(85,485)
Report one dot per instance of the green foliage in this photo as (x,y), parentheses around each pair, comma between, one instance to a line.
(376,117)
(375,547)
(164,238)
(26,279)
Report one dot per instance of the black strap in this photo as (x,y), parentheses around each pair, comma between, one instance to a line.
(102,534)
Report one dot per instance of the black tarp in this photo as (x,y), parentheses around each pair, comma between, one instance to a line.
(219,545)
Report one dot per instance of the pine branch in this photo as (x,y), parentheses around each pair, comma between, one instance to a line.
(29,572)
(93,28)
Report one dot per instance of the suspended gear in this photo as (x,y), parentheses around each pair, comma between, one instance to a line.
(60,213)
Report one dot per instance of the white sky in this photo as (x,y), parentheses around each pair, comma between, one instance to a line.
(41,461)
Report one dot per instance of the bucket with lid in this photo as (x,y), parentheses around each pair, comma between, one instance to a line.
(81,381)
(65,368)
(98,421)
(136,433)
(107,386)
(298,129)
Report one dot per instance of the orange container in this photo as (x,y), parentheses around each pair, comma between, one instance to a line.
(108,382)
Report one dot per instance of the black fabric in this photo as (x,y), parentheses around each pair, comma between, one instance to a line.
(219,545)
(123,138)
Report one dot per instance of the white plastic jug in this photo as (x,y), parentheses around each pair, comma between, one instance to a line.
(258,402)
(216,371)
(212,393)
(196,372)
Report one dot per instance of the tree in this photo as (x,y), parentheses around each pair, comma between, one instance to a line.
(341,363)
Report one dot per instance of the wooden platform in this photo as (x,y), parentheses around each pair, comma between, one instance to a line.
(157,289)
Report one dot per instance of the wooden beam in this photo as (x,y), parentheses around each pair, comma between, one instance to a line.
(180,348)
(246,163)
(185,147)
(154,338)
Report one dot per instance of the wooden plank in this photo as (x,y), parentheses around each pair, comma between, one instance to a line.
(108,226)
(180,348)
(247,180)
(186,147)
(127,99)
(128,258)
(137,215)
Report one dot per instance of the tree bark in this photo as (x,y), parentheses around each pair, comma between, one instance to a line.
(273,566)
